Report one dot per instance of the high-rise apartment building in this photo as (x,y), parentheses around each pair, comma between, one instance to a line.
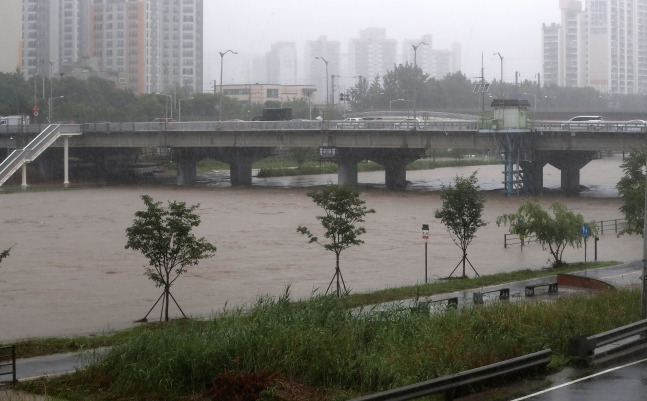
(282,64)
(598,45)
(10,40)
(372,53)
(149,45)
(315,69)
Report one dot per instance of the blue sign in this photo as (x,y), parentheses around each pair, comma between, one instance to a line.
(584,231)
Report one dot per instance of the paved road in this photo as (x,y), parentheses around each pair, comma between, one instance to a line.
(627,382)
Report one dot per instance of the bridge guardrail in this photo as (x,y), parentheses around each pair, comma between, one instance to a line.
(610,345)
(463,379)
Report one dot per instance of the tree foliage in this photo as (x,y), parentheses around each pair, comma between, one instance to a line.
(344,209)
(555,232)
(4,254)
(461,212)
(631,188)
(164,237)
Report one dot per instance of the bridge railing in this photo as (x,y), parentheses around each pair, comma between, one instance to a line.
(385,124)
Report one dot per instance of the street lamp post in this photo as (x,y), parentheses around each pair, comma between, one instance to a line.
(166,105)
(51,64)
(49,107)
(222,57)
(425,238)
(327,95)
(535,96)
(179,108)
(501,59)
(415,52)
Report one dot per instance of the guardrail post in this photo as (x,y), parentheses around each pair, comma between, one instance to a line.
(505,241)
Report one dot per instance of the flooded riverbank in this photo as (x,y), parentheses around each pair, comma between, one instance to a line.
(69,273)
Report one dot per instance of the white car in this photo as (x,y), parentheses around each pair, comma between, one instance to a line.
(583,123)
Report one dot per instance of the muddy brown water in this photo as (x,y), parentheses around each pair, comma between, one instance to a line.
(69,273)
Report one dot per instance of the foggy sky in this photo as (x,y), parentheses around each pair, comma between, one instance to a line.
(482,27)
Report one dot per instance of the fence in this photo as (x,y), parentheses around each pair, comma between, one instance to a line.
(615,225)
(8,362)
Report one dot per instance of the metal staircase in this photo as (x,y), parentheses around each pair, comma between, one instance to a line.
(29,153)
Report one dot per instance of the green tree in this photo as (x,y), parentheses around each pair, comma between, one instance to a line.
(461,214)
(4,253)
(343,210)
(302,155)
(555,232)
(631,188)
(164,236)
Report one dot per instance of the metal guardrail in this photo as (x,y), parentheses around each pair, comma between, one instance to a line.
(610,345)
(8,362)
(461,380)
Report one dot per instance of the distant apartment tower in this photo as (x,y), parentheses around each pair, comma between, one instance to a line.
(154,45)
(372,53)
(435,62)
(550,53)
(315,69)
(10,40)
(41,39)
(282,64)
(599,45)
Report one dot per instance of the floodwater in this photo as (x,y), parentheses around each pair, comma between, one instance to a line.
(69,273)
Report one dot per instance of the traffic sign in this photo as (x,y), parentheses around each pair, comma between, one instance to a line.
(584,231)
(36,109)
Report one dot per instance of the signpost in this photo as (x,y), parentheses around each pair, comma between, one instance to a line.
(425,238)
(586,233)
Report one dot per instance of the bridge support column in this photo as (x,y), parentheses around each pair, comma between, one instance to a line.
(186,166)
(347,167)
(395,165)
(66,164)
(569,162)
(533,174)
(240,171)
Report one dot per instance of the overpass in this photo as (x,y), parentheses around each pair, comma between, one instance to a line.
(394,144)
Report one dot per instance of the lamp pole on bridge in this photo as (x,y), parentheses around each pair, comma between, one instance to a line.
(327,95)
(222,57)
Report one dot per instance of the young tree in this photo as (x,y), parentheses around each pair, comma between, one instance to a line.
(631,188)
(164,236)
(553,232)
(461,213)
(4,253)
(344,209)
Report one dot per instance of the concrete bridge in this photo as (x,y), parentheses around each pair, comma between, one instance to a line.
(394,144)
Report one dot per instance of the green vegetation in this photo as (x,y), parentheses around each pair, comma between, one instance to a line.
(631,188)
(322,343)
(343,211)
(461,213)
(164,237)
(553,232)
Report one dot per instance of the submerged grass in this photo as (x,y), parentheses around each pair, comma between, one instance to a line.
(325,343)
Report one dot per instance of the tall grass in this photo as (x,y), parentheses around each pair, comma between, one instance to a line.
(326,344)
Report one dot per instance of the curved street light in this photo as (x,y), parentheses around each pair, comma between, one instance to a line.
(327,95)
(49,109)
(415,52)
(222,56)
(500,58)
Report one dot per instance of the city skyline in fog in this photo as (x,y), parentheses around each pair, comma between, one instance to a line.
(511,28)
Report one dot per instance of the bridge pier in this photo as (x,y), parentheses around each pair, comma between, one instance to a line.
(347,160)
(569,162)
(395,165)
(533,174)
(187,170)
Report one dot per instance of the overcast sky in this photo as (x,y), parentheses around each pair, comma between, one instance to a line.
(482,27)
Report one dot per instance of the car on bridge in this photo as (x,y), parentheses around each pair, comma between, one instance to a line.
(583,123)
